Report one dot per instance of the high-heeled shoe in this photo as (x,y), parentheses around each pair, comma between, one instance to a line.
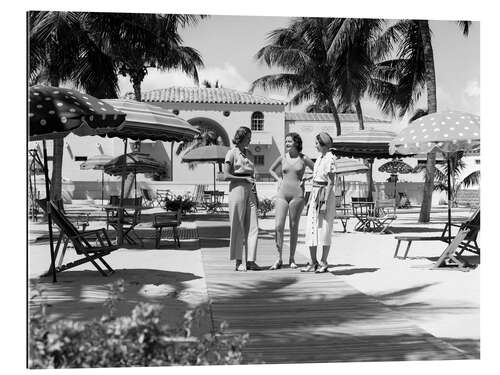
(277,265)
(310,267)
(292,264)
(322,269)
(239,266)
(252,266)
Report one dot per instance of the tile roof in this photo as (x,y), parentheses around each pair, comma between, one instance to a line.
(176,94)
(344,117)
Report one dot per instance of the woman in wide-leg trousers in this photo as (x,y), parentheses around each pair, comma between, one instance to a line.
(243,221)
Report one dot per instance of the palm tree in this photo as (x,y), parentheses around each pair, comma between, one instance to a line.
(398,83)
(301,50)
(352,51)
(137,42)
(61,50)
(457,165)
(206,137)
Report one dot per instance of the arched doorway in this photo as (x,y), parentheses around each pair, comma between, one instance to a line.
(209,124)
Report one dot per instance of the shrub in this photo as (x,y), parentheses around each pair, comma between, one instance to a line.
(184,202)
(265,205)
(136,340)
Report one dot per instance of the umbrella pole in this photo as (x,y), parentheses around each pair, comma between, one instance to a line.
(343,188)
(102,189)
(49,215)
(214,185)
(120,209)
(395,191)
(449,196)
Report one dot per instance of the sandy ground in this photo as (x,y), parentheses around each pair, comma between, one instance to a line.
(443,302)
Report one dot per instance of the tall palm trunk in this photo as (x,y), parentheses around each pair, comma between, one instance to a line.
(430,82)
(359,112)
(335,113)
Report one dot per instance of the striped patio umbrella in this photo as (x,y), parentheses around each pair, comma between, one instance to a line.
(207,154)
(366,144)
(146,121)
(97,162)
(348,166)
(55,112)
(134,162)
(446,132)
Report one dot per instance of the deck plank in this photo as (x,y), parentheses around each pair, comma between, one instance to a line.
(295,317)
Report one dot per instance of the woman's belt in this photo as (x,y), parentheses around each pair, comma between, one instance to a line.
(320,183)
(243,174)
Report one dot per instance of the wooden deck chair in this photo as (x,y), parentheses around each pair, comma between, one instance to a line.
(131,218)
(469,242)
(82,242)
(167,220)
(385,214)
(450,256)
(362,209)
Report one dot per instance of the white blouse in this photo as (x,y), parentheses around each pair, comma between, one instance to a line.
(323,166)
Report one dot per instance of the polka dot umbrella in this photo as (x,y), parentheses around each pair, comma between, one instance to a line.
(55,112)
(446,132)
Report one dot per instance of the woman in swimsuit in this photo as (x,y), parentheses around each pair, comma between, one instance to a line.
(290,198)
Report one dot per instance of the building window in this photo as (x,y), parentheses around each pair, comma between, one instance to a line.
(258,159)
(257,121)
(80,158)
(478,161)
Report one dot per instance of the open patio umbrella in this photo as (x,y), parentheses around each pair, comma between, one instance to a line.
(446,132)
(55,112)
(134,162)
(207,154)
(395,167)
(97,162)
(145,121)
(366,144)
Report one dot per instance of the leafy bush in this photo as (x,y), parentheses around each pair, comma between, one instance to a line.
(265,205)
(136,340)
(184,202)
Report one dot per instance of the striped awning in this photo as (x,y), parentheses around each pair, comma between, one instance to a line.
(364,144)
(145,121)
(134,162)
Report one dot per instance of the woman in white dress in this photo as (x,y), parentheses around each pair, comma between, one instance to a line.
(321,206)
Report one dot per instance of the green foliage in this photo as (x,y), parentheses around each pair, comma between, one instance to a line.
(265,205)
(183,202)
(128,341)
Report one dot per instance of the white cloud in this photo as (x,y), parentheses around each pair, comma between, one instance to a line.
(472,88)
(228,76)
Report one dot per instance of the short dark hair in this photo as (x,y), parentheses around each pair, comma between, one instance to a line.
(296,139)
(241,133)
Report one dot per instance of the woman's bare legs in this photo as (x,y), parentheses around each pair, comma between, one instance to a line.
(296,207)
(281,211)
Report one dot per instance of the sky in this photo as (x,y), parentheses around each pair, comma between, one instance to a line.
(228,45)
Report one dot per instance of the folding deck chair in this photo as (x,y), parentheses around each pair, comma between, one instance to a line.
(385,214)
(81,242)
(362,209)
(464,240)
(131,217)
(147,197)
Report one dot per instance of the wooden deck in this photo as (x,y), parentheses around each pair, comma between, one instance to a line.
(295,317)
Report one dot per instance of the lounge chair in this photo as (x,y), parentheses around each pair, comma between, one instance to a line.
(167,220)
(82,242)
(464,240)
